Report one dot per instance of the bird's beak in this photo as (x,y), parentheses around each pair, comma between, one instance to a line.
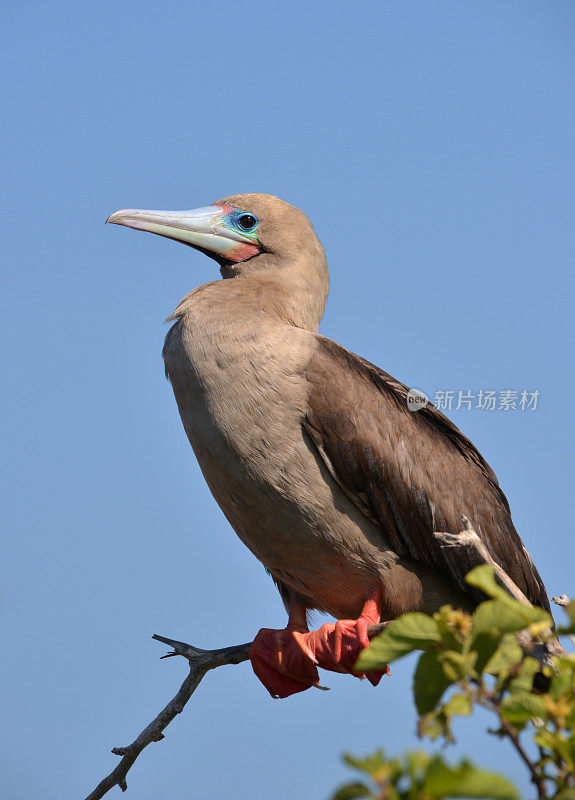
(208,229)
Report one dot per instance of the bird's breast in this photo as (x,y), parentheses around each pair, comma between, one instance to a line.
(239,391)
(242,398)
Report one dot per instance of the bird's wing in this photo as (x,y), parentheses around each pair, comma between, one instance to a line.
(413,472)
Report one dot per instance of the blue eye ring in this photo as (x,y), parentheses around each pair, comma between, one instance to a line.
(246,222)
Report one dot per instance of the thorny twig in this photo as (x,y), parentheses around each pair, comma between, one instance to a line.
(201,661)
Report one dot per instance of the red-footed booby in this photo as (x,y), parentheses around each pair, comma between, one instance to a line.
(311,451)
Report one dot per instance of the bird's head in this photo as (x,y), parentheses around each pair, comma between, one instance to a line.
(248,235)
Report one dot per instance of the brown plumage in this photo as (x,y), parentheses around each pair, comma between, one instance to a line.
(310,450)
(412,472)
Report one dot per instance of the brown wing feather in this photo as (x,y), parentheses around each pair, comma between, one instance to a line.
(414,472)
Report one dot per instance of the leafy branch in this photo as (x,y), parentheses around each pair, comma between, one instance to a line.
(505,658)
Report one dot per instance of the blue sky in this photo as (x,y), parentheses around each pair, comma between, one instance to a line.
(432,145)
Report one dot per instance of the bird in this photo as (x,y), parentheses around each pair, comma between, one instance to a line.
(312,452)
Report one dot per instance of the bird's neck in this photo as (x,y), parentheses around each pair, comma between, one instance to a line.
(292,298)
(290,295)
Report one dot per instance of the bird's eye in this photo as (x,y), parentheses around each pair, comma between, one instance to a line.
(247,221)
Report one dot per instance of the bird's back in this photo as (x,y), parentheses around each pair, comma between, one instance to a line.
(414,471)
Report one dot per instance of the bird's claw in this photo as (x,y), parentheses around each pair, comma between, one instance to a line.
(286,661)
(283,662)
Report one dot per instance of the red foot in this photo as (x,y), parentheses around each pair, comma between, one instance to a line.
(286,661)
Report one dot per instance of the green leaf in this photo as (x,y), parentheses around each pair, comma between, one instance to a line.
(459,705)
(434,725)
(521,707)
(351,791)
(483,578)
(494,615)
(565,662)
(409,632)
(370,764)
(562,682)
(485,644)
(523,681)
(506,616)
(429,682)
(376,765)
(556,743)
(466,780)
(454,626)
(507,655)
(503,612)
(546,739)
(566,749)
(457,666)
(417,760)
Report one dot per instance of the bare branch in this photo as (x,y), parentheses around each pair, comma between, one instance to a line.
(375,630)
(475,554)
(201,661)
(562,600)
